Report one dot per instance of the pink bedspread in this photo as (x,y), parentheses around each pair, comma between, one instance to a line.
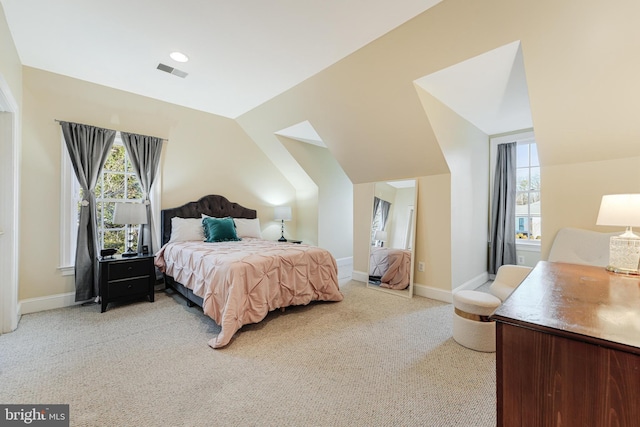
(240,282)
(397,275)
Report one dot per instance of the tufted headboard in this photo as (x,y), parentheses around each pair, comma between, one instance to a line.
(212,205)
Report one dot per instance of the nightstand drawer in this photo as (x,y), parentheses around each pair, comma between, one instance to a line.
(139,285)
(127,269)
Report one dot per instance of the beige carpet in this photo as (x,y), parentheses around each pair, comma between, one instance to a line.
(371,360)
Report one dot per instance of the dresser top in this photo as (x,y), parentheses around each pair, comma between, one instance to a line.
(577,301)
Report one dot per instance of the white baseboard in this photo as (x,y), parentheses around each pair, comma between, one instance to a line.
(344,261)
(360,276)
(33,305)
(345,267)
(431,292)
(472,284)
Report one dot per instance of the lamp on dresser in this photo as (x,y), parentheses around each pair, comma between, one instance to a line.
(381,236)
(130,214)
(282,213)
(624,250)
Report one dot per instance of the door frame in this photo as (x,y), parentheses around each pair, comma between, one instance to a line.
(9,207)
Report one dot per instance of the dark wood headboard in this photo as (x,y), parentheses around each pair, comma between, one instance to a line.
(212,205)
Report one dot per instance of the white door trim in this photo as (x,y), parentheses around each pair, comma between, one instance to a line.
(9,207)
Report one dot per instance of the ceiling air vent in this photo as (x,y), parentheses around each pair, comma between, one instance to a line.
(171,70)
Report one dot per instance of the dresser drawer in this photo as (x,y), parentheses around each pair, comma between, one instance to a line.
(127,269)
(121,288)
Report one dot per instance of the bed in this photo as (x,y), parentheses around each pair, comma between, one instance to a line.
(239,282)
(390,268)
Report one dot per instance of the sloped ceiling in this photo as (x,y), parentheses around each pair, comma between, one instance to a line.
(489,90)
(242,53)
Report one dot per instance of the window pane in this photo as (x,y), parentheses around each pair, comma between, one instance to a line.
(133,188)
(534,203)
(113,185)
(522,227)
(522,204)
(535,178)
(115,161)
(108,208)
(522,179)
(536,228)
(534,155)
(522,155)
(114,239)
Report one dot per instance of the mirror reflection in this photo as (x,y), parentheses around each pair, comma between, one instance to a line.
(391,254)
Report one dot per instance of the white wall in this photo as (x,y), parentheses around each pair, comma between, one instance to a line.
(334,207)
(466,150)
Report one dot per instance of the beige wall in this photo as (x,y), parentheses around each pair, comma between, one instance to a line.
(206,154)
(466,150)
(572,193)
(334,208)
(10,66)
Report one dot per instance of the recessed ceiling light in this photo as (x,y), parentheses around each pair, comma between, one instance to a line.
(179,56)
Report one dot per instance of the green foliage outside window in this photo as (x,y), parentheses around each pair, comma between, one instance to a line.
(117,183)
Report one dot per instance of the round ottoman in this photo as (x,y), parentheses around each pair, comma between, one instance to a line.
(471,325)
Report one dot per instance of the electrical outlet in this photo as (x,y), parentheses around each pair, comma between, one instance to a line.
(421,266)
(520,259)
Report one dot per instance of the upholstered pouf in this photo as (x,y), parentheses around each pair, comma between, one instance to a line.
(471,325)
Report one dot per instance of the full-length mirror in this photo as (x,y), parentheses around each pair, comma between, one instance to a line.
(391,246)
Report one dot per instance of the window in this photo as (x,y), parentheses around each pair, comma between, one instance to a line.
(117,183)
(527,191)
(528,225)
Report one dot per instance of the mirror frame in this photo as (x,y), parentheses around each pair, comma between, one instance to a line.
(407,292)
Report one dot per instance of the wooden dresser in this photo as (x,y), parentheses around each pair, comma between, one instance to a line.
(568,349)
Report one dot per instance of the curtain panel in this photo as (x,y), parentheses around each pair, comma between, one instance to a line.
(144,152)
(88,148)
(502,244)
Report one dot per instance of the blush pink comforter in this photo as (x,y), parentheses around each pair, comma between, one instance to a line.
(240,282)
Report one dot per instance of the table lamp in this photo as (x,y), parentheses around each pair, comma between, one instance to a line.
(128,214)
(381,236)
(282,213)
(624,250)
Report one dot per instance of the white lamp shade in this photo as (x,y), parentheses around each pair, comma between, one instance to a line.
(282,213)
(130,213)
(381,235)
(620,210)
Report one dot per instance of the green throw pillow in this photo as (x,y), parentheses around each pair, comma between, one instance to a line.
(219,229)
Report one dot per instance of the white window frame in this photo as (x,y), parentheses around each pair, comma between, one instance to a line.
(69,199)
(495,140)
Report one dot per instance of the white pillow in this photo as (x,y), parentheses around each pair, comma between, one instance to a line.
(248,227)
(186,229)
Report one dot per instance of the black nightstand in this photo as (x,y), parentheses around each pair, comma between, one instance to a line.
(291,241)
(126,278)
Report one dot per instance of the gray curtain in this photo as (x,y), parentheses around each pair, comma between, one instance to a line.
(383,207)
(502,244)
(89,148)
(144,152)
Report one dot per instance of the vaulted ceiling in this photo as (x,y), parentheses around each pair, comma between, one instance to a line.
(241,53)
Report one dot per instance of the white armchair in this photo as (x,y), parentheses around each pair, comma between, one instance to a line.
(472,327)
(507,279)
(577,246)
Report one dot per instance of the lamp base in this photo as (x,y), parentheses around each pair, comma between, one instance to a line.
(619,270)
(282,239)
(129,254)
(624,254)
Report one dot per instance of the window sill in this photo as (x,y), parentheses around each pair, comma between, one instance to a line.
(528,245)
(67,271)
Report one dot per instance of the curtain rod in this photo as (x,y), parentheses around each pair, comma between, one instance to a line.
(115,130)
